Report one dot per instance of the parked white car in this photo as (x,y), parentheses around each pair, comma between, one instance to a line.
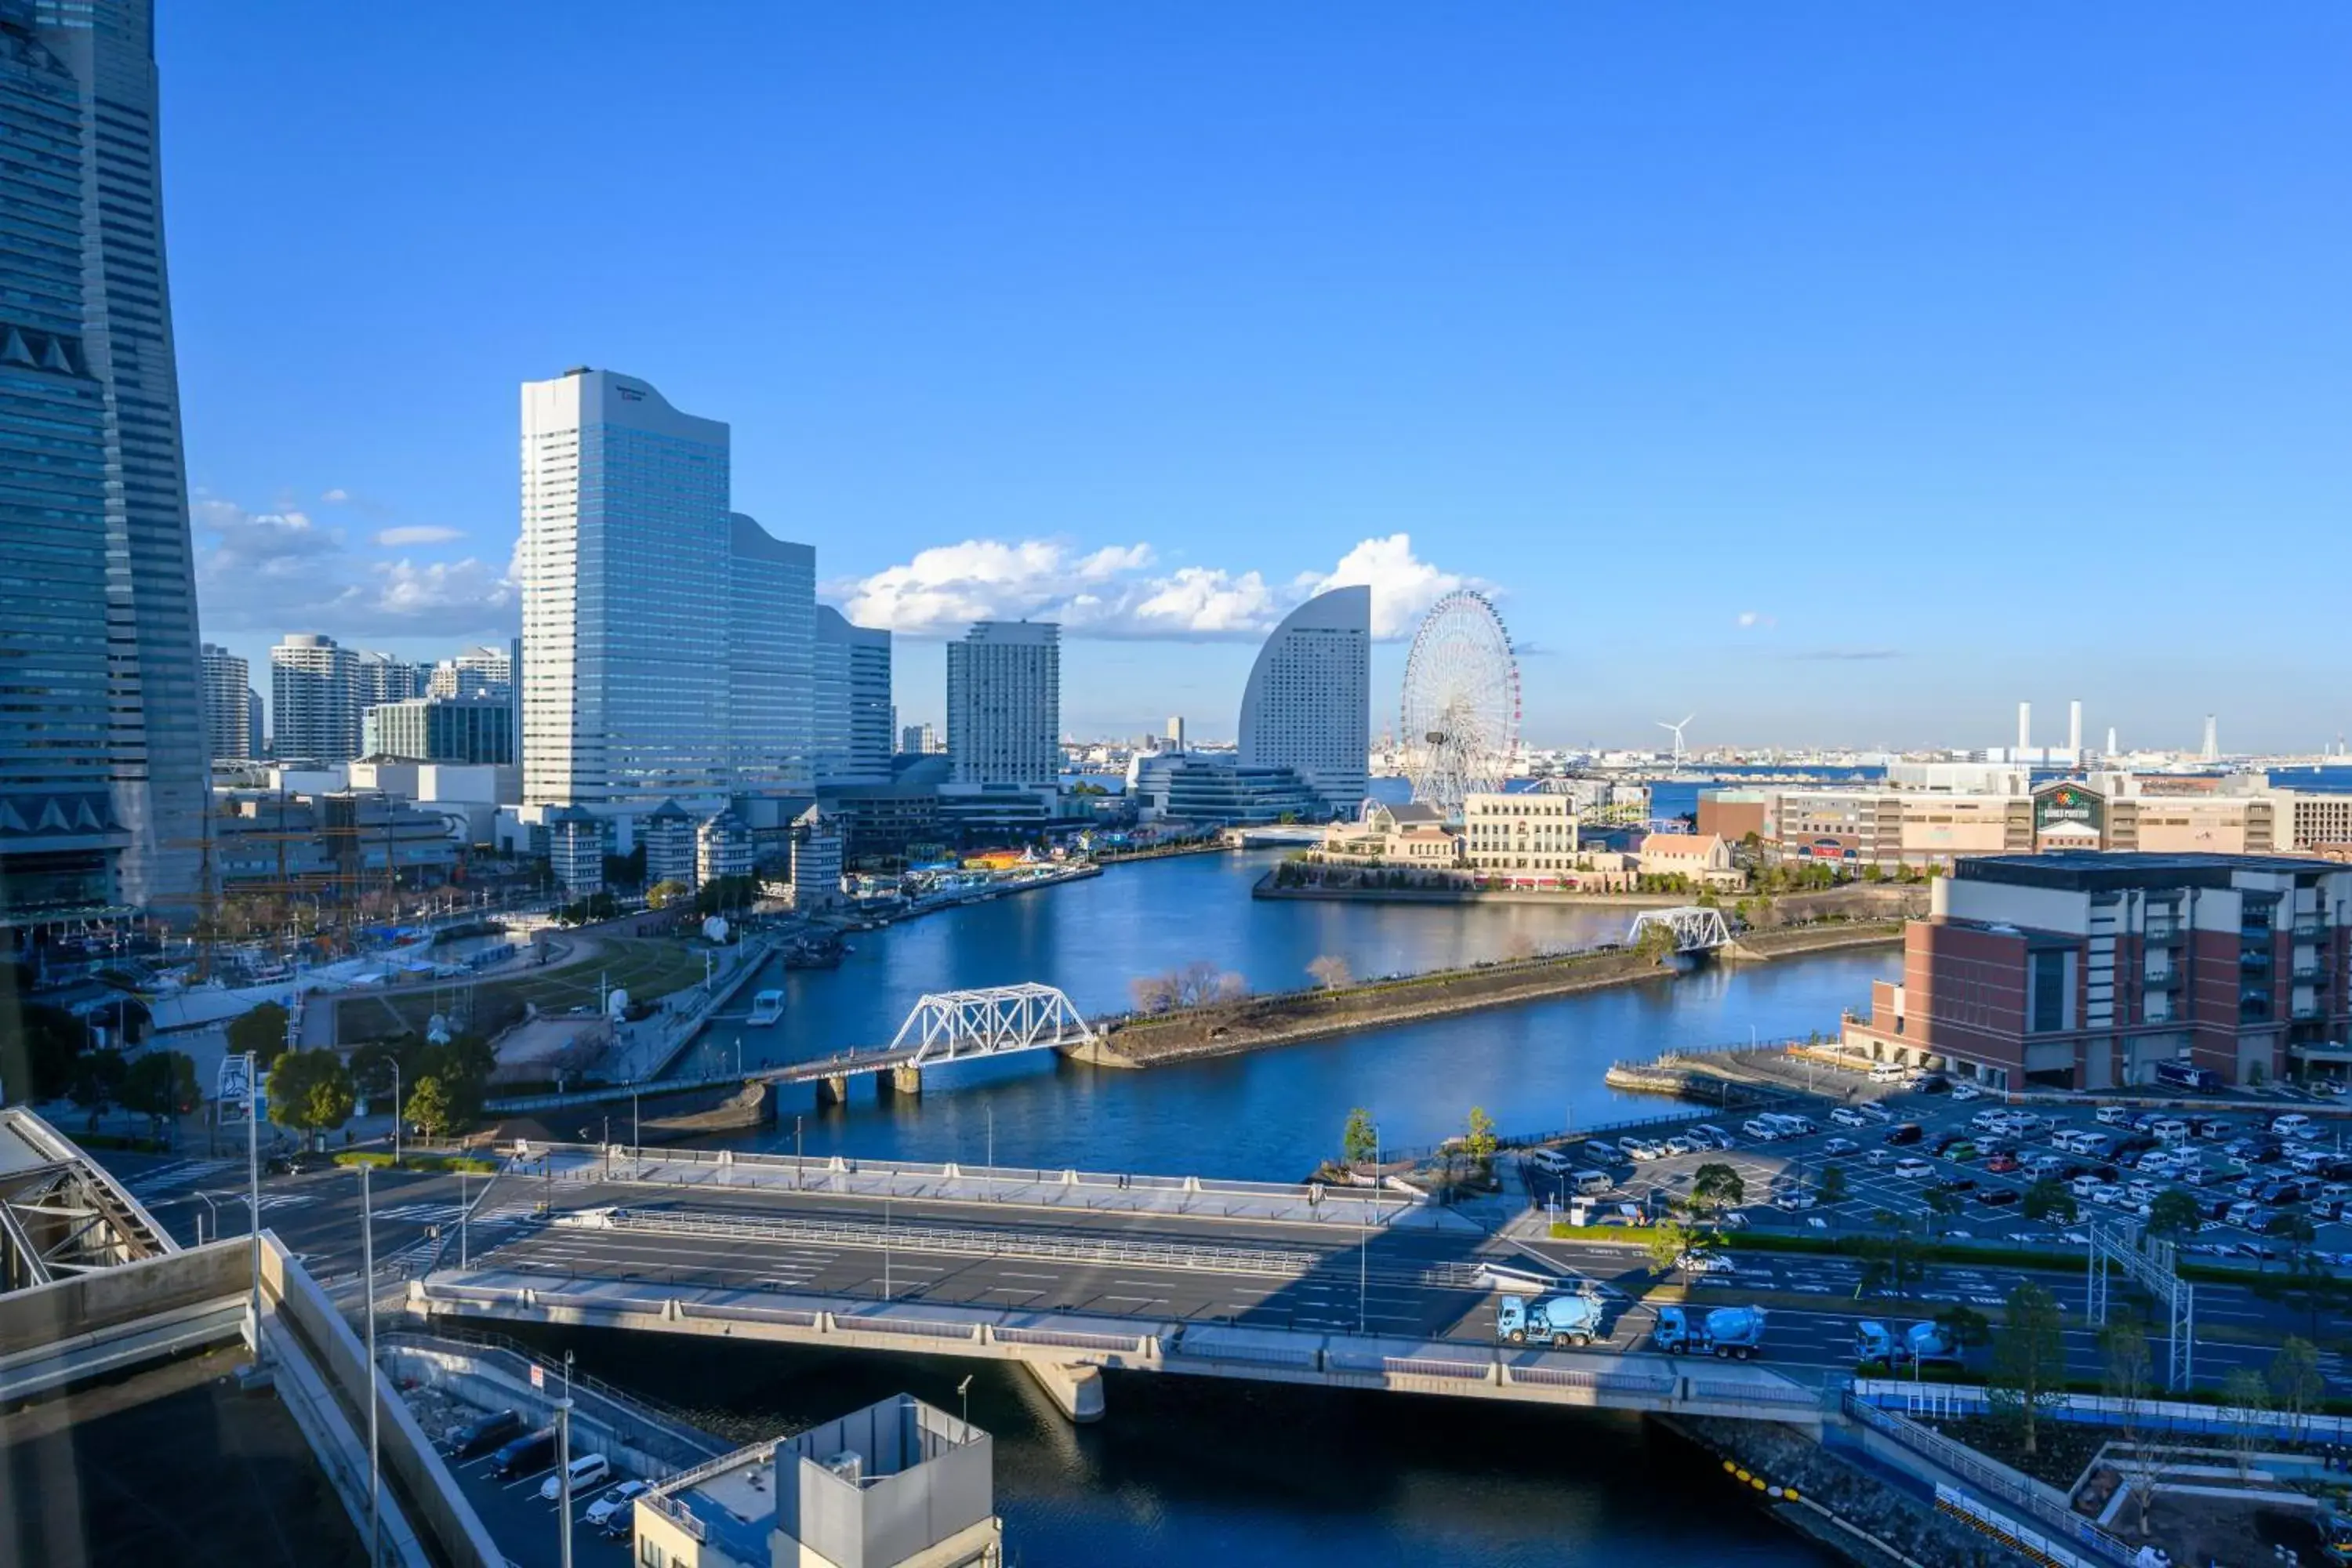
(1762,1131)
(1702,1263)
(1964,1090)
(1912,1168)
(1847,1116)
(587,1470)
(1836,1146)
(601,1510)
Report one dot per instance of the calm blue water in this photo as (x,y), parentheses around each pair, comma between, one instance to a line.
(1181,1473)
(1267,1114)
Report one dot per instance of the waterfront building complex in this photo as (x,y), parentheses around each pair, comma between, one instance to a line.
(1927,815)
(103,757)
(667,833)
(2077,968)
(1307,704)
(228,691)
(1004,706)
(1529,831)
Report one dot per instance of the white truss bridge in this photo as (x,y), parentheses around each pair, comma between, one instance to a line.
(1696,929)
(956,1026)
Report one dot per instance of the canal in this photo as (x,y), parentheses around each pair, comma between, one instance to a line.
(1178,1473)
(1271,1114)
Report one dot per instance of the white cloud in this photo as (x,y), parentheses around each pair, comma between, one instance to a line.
(278,571)
(337,495)
(1114,591)
(1754,620)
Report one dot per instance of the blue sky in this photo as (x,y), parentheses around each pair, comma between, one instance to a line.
(1843,374)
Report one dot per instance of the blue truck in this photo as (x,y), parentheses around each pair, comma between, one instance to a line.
(1731,1332)
(1564,1319)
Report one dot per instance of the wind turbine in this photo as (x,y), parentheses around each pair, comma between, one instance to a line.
(1677,732)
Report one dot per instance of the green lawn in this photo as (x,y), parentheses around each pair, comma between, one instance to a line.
(646,967)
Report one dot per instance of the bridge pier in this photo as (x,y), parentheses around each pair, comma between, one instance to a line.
(832,1089)
(907,1080)
(1075,1387)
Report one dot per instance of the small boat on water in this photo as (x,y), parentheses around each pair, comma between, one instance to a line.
(767,1006)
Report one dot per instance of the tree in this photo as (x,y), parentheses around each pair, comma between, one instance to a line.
(429,1108)
(1360,1140)
(1330,972)
(2305,1284)
(663,894)
(1941,1200)
(2171,1213)
(1715,1186)
(1666,1242)
(2048,1199)
(1833,1189)
(261,1032)
(1478,1141)
(2028,1360)
(1966,1327)
(37,1056)
(1894,1257)
(97,1083)
(2125,1358)
(310,1092)
(1656,942)
(161,1085)
(2246,1396)
(2295,1381)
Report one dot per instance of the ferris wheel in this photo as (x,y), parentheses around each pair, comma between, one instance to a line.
(1460,724)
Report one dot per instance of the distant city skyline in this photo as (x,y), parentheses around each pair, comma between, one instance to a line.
(1831,438)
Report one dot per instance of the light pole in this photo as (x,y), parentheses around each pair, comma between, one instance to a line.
(253,1182)
(563,1465)
(465,1210)
(375,1472)
(1363,1267)
(395,1066)
(990,1166)
(886,1246)
(796,1153)
(637,1137)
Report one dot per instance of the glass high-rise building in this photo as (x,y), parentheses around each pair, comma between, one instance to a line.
(853,701)
(626,539)
(228,682)
(771,607)
(95,552)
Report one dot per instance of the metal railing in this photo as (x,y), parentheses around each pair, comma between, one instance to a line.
(1958,1460)
(971,1242)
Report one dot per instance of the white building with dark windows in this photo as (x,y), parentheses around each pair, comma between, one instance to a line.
(1307,706)
(1004,706)
(668,832)
(771,630)
(625,534)
(852,701)
(312,715)
(228,683)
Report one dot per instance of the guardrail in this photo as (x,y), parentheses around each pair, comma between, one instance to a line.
(970,1243)
(2103,1410)
(1958,1460)
(1952,1500)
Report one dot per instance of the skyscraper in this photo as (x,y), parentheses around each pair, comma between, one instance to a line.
(1004,705)
(89,418)
(771,611)
(1307,706)
(228,682)
(312,681)
(625,595)
(853,701)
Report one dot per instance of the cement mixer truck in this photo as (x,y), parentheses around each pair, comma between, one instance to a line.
(1733,1332)
(1570,1319)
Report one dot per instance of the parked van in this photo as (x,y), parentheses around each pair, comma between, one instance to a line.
(2171,1129)
(526,1455)
(1584,1184)
(1887,1072)
(1551,1161)
(481,1436)
(587,1470)
(2293,1124)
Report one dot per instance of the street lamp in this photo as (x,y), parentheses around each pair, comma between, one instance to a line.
(376,1471)
(394,1063)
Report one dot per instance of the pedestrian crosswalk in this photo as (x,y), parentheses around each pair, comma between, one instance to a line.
(488,1228)
(178,1175)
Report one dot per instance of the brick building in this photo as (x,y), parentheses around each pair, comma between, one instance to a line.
(2083,970)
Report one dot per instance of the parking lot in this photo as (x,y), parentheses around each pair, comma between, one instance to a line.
(1962,1178)
(523,1522)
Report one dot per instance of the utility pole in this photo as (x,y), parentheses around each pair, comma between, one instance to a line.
(376,1468)
(253,1184)
(464,1210)
(991,1150)
(1363,1266)
(796,1153)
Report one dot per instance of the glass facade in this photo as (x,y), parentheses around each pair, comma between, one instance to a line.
(1307,706)
(60,833)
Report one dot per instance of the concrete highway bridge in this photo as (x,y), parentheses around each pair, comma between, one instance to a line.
(1067,1273)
